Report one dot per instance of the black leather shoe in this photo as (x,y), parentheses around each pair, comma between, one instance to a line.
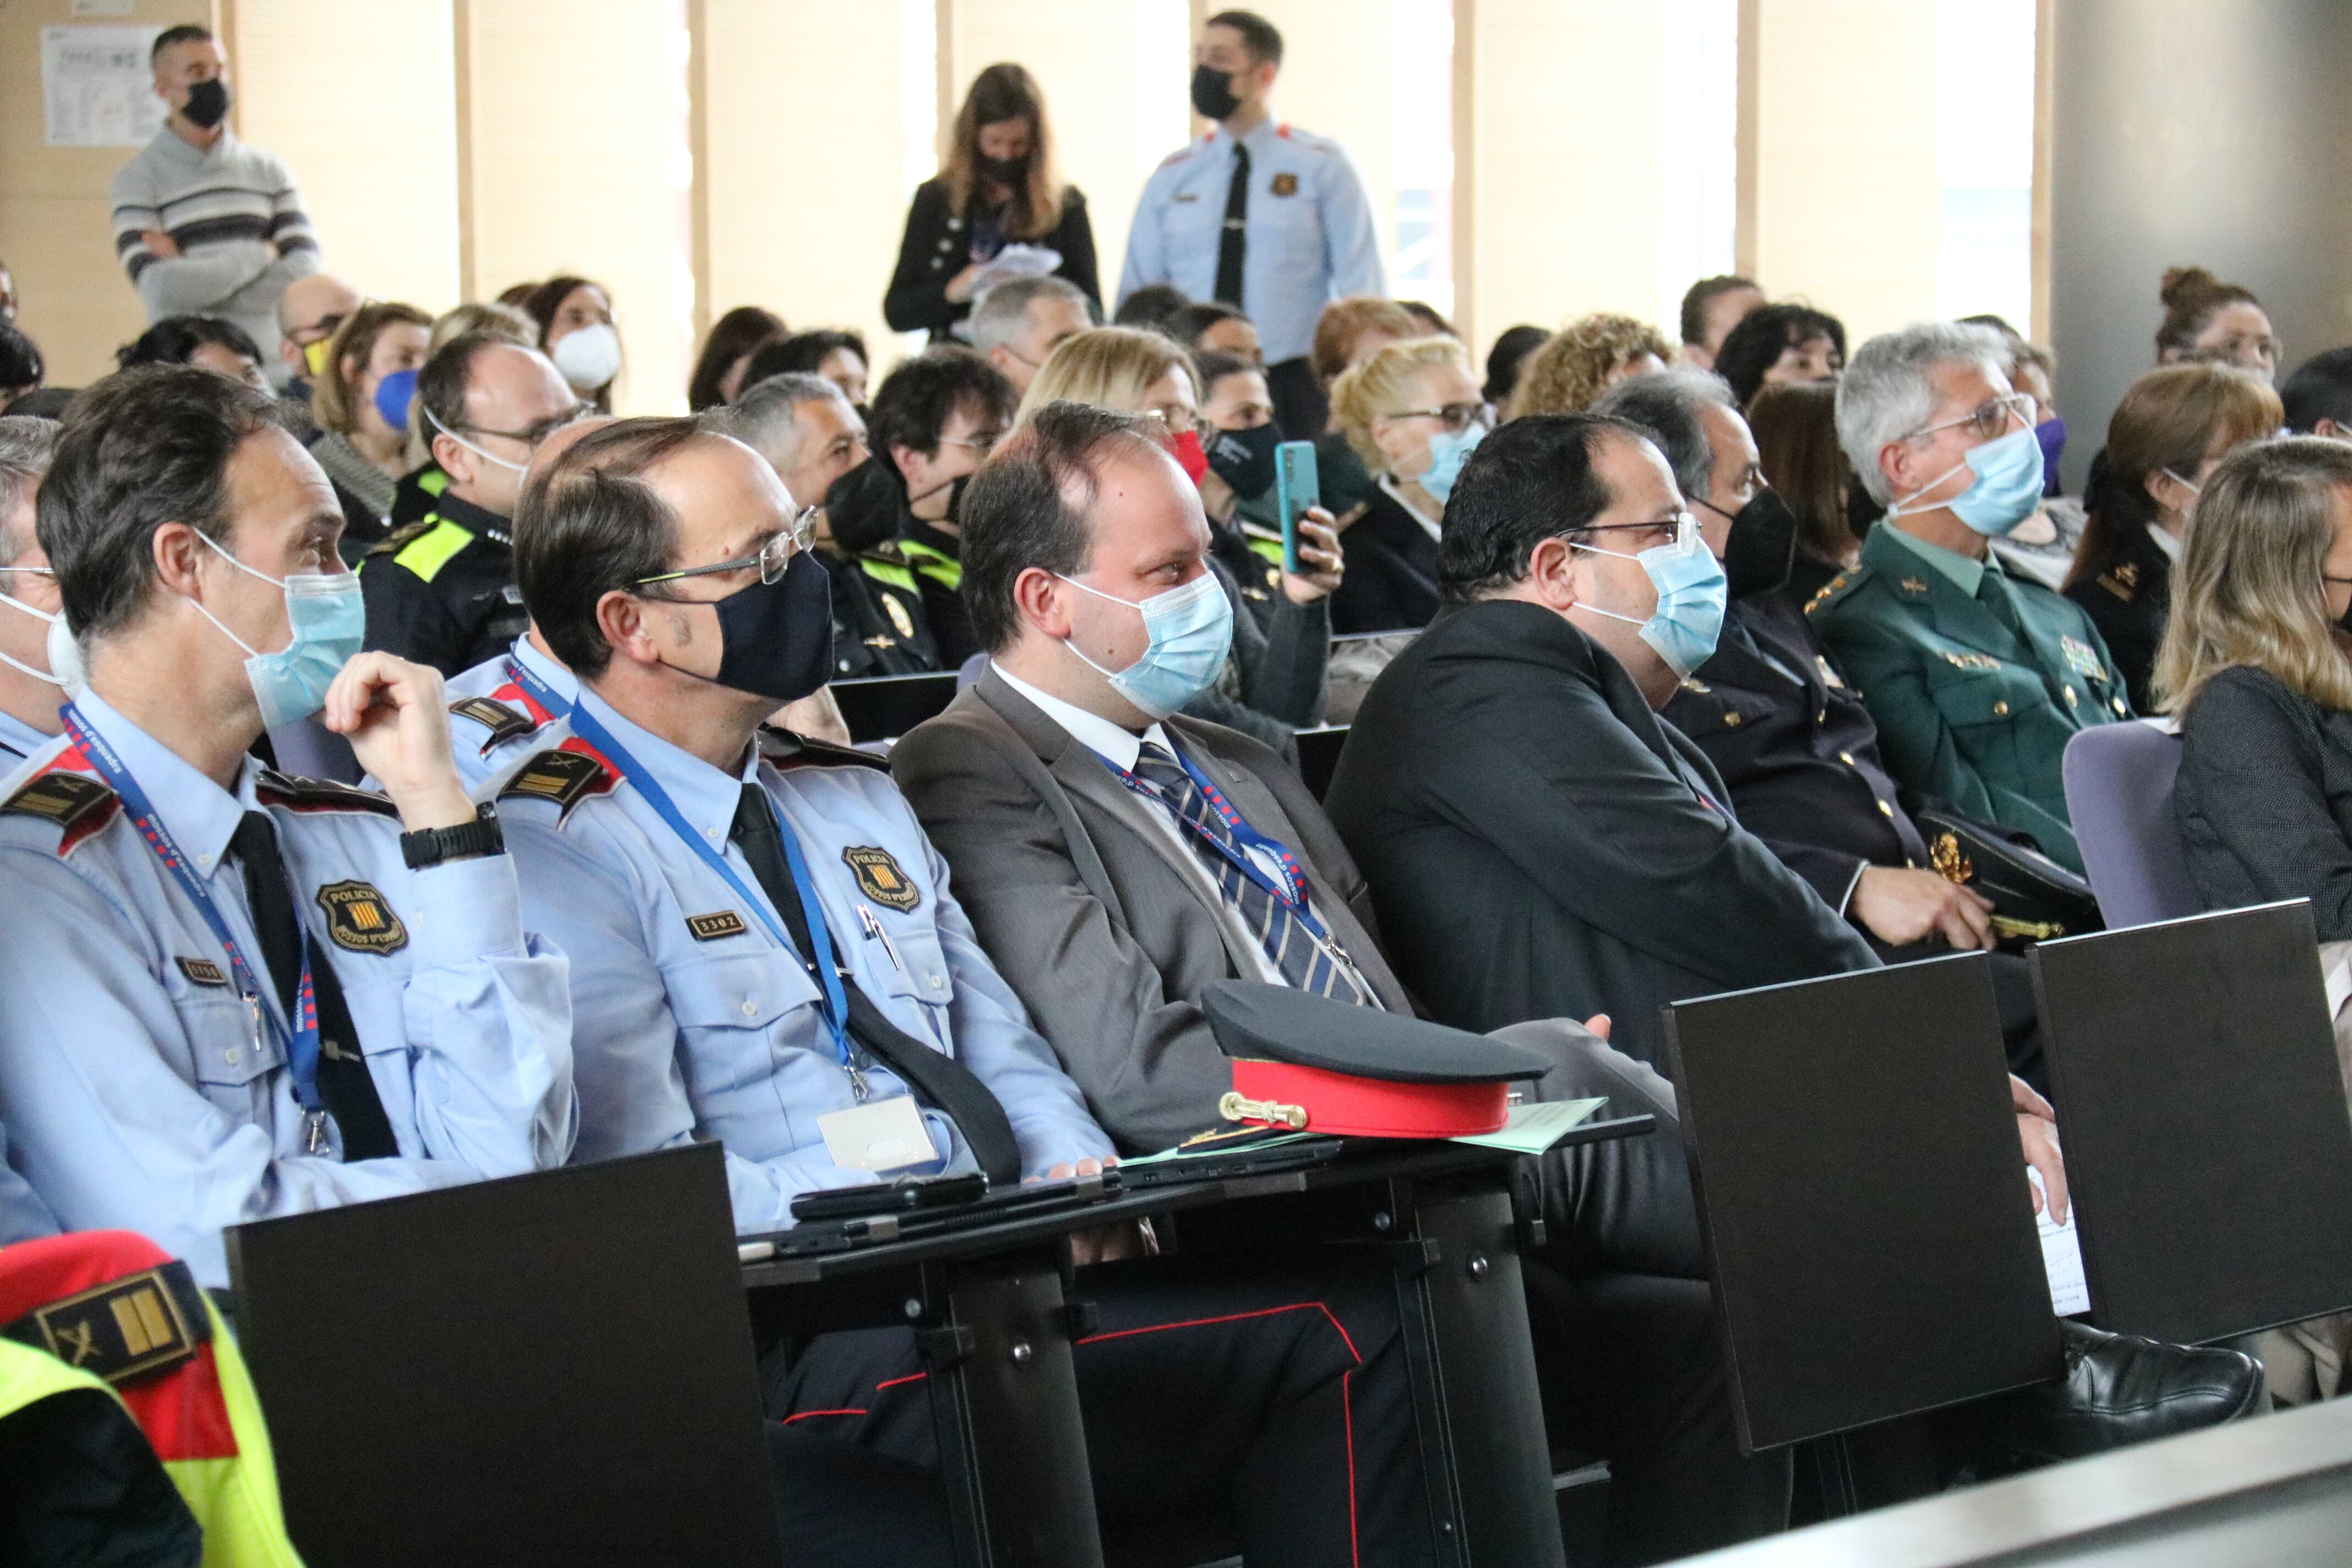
(2119,1390)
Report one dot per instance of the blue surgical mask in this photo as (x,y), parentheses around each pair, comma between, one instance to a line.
(1191,630)
(329,620)
(393,395)
(2006,489)
(1683,629)
(1447,453)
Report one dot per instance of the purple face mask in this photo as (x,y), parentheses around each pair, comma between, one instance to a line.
(2050,434)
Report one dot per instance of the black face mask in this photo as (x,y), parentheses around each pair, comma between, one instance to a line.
(775,639)
(207,103)
(1762,548)
(1244,458)
(1213,93)
(1013,172)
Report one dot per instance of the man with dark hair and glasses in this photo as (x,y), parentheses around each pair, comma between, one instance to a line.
(934,421)
(442,592)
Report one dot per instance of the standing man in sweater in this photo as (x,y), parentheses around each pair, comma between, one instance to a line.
(204,224)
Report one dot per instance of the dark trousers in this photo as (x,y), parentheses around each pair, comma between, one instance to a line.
(1299,405)
(1269,1414)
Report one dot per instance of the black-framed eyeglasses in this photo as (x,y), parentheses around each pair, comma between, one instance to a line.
(1680,530)
(772,559)
(536,433)
(1456,416)
(1988,419)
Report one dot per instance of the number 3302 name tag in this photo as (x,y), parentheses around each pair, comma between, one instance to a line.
(886,1135)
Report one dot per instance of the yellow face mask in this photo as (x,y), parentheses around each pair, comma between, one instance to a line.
(315,356)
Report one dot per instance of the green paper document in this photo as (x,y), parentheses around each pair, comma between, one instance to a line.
(1533,1129)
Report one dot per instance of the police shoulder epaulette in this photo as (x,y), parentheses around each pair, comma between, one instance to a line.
(401,536)
(68,793)
(565,774)
(1838,587)
(781,749)
(274,788)
(504,723)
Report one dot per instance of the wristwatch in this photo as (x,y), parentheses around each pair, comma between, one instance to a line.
(432,846)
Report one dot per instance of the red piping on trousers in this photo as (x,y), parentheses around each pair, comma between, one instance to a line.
(805,1415)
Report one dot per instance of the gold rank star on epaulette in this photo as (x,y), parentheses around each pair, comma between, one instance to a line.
(1834,585)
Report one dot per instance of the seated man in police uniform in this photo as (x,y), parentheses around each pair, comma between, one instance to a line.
(442,592)
(765,954)
(232,995)
(29,693)
(1977,679)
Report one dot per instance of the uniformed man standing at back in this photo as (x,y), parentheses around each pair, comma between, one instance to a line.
(1257,215)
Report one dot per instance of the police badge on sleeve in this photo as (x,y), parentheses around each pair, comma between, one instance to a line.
(359,920)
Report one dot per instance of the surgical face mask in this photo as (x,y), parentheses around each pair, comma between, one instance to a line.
(393,395)
(65,657)
(1191,630)
(1213,93)
(55,623)
(1186,449)
(1683,629)
(2004,492)
(479,452)
(329,621)
(2050,436)
(207,103)
(1762,548)
(314,356)
(775,639)
(2191,486)
(1447,453)
(1244,458)
(588,358)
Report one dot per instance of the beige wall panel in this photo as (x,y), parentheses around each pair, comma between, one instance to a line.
(76,303)
(1847,202)
(807,225)
(1115,77)
(577,145)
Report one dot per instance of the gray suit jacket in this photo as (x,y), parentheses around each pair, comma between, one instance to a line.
(1090,910)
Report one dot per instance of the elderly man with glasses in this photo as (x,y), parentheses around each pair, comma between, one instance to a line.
(1977,679)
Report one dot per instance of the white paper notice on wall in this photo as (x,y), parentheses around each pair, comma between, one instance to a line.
(104,8)
(97,89)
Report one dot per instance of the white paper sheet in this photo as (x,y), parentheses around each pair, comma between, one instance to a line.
(2061,1258)
(96,88)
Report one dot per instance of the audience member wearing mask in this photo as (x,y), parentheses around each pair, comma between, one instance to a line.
(2042,546)
(308,311)
(1000,185)
(1711,307)
(2206,318)
(204,225)
(1976,679)
(838,356)
(1506,360)
(1412,412)
(1795,429)
(2170,432)
(1776,344)
(1271,677)
(1017,323)
(30,625)
(1240,437)
(209,342)
(718,369)
(422,485)
(934,421)
(367,379)
(1583,359)
(576,331)
(442,592)
(1347,333)
(2318,395)
(22,369)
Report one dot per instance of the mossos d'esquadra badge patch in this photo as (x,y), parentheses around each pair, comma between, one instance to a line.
(358,918)
(880,879)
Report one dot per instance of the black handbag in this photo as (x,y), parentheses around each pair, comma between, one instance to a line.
(2034,898)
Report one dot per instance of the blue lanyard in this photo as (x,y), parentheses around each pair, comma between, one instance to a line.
(542,692)
(1293,889)
(835,1006)
(301,1037)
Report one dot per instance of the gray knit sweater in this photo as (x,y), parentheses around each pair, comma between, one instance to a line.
(223,208)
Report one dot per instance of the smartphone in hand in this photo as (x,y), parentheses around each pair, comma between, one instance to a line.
(1297,487)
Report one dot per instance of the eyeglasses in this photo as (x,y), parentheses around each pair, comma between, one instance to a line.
(1172,424)
(1456,416)
(536,433)
(1988,419)
(982,442)
(1680,531)
(2237,348)
(773,557)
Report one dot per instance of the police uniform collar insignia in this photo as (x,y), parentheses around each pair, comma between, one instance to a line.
(360,920)
(125,1330)
(1693,683)
(68,794)
(504,723)
(898,616)
(273,788)
(1832,587)
(567,776)
(713,927)
(880,878)
(1913,585)
(1829,677)
(1284,184)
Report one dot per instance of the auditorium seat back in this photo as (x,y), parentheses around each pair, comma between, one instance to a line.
(2119,795)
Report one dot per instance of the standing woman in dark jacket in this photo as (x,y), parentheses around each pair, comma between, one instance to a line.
(1000,186)
(2255,663)
(2170,432)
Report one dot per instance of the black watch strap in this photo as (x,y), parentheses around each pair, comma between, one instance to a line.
(432,846)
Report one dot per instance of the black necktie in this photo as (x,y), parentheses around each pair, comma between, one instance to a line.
(1232,242)
(938,1079)
(343,1080)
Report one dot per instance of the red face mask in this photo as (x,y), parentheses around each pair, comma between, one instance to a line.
(1186,451)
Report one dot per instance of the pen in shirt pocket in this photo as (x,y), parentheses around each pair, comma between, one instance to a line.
(873,933)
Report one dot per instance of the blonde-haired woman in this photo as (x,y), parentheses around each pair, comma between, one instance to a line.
(1413,411)
(1585,359)
(2254,664)
(362,441)
(1273,676)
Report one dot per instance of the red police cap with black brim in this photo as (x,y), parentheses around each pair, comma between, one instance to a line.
(1311,1064)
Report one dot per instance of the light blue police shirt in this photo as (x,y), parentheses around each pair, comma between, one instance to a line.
(485,739)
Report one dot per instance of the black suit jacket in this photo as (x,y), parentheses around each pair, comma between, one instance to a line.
(938,245)
(1538,843)
(2129,602)
(1797,748)
(1391,571)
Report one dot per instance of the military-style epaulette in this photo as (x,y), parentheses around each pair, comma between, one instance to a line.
(125,1330)
(274,788)
(782,749)
(504,723)
(405,534)
(1836,586)
(567,774)
(68,794)
(2122,580)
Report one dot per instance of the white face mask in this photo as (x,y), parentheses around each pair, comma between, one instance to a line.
(589,357)
(56,625)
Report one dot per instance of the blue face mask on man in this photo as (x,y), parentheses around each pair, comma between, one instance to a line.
(329,620)
(2004,492)
(1191,630)
(1691,589)
(1447,452)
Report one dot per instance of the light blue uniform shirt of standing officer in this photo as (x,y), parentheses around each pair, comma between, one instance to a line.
(137,1092)
(1308,232)
(693,1021)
